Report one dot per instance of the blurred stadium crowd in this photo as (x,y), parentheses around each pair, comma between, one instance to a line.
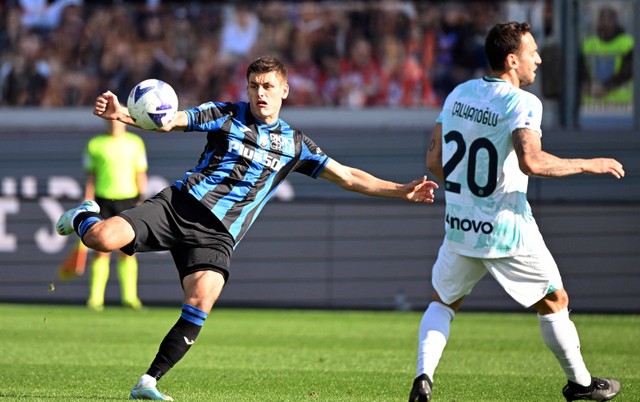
(339,53)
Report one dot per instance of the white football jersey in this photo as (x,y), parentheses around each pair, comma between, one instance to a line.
(487,213)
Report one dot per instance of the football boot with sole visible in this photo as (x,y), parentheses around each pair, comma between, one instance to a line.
(601,389)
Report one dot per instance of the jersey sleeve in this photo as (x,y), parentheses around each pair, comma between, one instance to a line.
(209,116)
(312,159)
(527,113)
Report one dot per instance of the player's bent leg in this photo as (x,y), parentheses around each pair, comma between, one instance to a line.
(108,235)
(96,233)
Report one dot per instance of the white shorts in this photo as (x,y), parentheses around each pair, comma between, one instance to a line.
(526,278)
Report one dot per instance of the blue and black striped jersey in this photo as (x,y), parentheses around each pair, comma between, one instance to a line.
(244,161)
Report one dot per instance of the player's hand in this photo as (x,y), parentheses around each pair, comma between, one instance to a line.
(606,166)
(107,106)
(421,190)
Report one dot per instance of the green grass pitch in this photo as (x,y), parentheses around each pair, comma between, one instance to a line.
(68,353)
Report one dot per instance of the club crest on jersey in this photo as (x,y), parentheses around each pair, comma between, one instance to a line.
(263,140)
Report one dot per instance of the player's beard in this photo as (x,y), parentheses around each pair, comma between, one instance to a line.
(527,79)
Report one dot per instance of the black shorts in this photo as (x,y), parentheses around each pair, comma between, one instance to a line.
(109,208)
(175,221)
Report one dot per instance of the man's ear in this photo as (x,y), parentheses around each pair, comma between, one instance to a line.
(285,91)
(511,62)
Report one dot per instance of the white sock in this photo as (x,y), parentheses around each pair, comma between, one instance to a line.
(146,381)
(560,335)
(432,337)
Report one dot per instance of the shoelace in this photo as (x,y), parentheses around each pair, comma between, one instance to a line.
(600,385)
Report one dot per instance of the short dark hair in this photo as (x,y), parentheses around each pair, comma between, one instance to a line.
(267,64)
(504,39)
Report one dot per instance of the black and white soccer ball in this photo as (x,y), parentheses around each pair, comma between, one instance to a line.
(152,104)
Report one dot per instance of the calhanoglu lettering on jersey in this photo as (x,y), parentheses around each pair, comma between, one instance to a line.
(471,113)
(468,225)
(257,155)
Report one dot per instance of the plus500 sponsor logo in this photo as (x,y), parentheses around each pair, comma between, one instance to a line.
(468,225)
(257,155)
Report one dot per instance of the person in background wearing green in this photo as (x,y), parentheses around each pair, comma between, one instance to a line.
(115,164)
(607,65)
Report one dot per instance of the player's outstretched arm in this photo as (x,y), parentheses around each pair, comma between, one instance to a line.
(420,190)
(534,161)
(108,107)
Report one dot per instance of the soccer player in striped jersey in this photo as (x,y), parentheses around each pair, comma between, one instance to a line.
(203,216)
(486,142)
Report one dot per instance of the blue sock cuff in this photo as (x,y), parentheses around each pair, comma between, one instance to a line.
(193,315)
(87,223)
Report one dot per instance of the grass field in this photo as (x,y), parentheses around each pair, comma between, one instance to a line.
(67,353)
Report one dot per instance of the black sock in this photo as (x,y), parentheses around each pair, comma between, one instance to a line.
(178,341)
(84,221)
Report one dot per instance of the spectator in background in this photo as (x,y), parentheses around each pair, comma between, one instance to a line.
(209,76)
(25,73)
(606,67)
(43,16)
(115,49)
(449,33)
(164,40)
(421,45)
(115,164)
(239,33)
(468,58)
(329,84)
(11,29)
(71,82)
(328,42)
(275,27)
(183,45)
(162,62)
(304,74)
(403,78)
(360,73)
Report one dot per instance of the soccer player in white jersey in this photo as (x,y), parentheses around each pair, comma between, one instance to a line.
(486,143)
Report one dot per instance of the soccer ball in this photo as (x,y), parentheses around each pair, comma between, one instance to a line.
(152,104)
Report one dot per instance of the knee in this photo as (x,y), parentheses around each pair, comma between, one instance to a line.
(553,302)
(454,306)
(563,299)
(109,235)
(97,238)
